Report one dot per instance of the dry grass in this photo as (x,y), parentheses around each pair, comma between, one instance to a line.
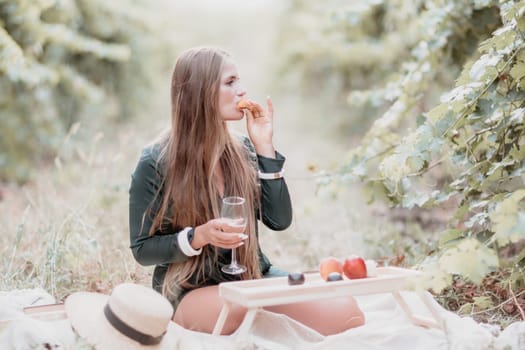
(67,230)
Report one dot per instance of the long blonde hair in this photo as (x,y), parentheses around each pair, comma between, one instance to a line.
(197,142)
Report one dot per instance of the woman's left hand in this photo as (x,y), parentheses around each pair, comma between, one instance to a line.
(260,128)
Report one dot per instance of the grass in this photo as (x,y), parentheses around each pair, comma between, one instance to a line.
(67,230)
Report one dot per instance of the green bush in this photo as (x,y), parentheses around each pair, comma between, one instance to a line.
(67,61)
(433,144)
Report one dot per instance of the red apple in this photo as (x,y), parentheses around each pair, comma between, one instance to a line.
(354,267)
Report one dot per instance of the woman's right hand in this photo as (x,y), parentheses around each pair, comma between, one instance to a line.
(260,128)
(219,233)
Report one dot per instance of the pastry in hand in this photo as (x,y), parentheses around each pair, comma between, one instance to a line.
(253,107)
(246,104)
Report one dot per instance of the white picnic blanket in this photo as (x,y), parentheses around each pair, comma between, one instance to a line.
(386,327)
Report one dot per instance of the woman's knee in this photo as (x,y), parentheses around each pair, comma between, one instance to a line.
(234,319)
(327,316)
(355,316)
(200,309)
(339,315)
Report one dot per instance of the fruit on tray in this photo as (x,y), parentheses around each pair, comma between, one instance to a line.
(354,267)
(334,276)
(329,265)
(295,278)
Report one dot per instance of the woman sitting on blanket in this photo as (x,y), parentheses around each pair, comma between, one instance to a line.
(176,191)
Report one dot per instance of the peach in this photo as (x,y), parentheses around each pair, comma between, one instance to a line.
(329,265)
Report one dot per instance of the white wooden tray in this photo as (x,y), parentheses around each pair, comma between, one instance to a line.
(254,294)
(275,291)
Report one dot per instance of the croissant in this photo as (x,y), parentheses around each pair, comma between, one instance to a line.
(246,104)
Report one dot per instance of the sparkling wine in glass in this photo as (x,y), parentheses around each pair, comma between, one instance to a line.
(235,212)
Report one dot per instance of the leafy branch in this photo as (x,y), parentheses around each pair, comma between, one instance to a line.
(472,138)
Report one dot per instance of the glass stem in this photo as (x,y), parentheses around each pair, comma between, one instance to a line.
(234,256)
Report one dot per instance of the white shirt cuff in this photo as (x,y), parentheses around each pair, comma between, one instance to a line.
(271,176)
(185,245)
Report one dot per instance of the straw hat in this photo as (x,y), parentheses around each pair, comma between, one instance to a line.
(132,317)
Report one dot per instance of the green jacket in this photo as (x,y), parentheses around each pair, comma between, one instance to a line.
(162,248)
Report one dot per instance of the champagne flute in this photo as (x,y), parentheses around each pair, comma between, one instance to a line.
(234,211)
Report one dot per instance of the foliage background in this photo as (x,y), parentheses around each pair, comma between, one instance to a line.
(446,79)
(402,122)
(65,62)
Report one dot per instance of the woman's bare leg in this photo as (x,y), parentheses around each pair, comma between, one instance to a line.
(200,309)
(326,316)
